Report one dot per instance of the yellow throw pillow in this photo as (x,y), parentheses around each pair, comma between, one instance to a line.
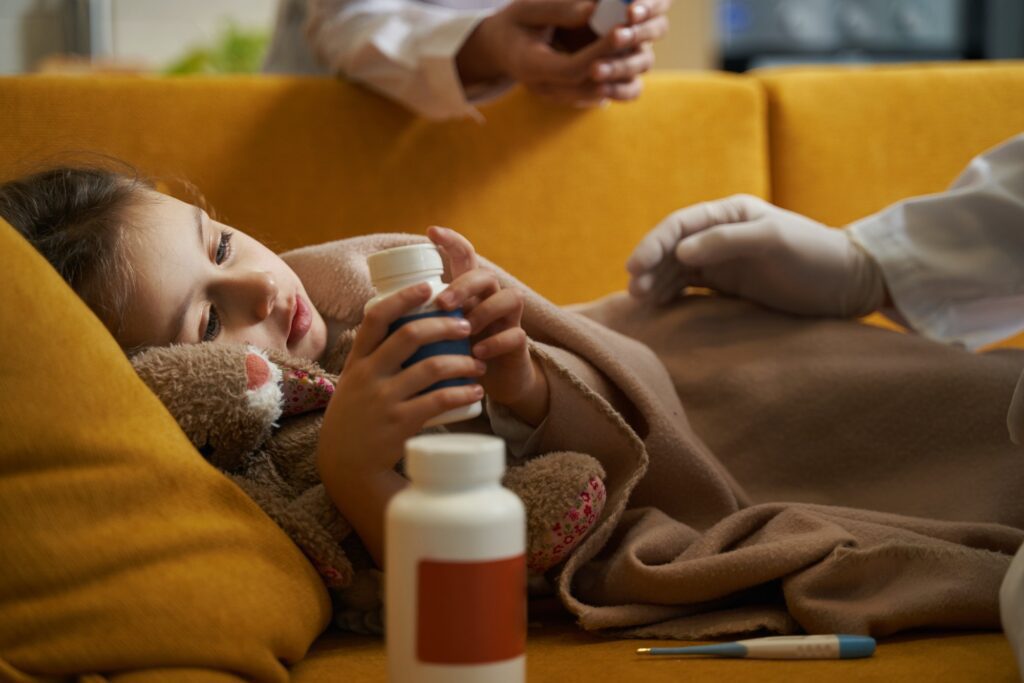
(123,551)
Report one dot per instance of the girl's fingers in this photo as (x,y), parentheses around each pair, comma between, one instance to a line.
(376,321)
(420,409)
(475,283)
(505,306)
(404,341)
(418,376)
(458,250)
(506,341)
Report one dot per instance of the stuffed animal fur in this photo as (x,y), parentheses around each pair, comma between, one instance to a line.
(256,416)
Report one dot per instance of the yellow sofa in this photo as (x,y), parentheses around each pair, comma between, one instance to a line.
(126,557)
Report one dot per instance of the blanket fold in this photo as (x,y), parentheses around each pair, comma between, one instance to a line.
(765,472)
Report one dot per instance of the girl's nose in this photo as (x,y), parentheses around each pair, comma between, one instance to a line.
(255,293)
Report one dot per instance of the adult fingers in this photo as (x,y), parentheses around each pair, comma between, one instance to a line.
(539,63)
(655,245)
(625,37)
(662,240)
(458,250)
(664,275)
(724,243)
(376,321)
(563,13)
(642,10)
(668,283)
(623,68)
(623,92)
(649,31)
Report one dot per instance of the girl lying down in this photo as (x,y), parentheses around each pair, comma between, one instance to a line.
(763,470)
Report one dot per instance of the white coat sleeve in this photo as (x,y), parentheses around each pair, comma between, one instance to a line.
(954,261)
(404,49)
(1011,607)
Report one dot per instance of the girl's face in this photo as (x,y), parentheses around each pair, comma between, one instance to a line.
(199,280)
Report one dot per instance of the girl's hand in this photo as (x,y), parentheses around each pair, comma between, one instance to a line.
(512,377)
(376,405)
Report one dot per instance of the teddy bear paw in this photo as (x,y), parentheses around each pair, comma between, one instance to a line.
(566,533)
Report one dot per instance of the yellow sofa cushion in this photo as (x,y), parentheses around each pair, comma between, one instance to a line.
(123,550)
(848,141)
(559,196)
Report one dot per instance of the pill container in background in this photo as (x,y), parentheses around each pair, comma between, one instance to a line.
(394,269)
(455,566)
(608,14)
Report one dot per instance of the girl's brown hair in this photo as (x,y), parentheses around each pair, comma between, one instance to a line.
(77,218)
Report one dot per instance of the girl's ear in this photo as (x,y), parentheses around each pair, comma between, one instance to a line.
(226,397)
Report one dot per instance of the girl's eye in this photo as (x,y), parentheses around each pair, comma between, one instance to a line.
(212,326)
(224,247)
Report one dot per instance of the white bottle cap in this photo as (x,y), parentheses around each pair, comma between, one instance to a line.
(454,459)
(401,261)
(608,14)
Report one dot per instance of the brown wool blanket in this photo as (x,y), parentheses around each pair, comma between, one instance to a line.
(763,471)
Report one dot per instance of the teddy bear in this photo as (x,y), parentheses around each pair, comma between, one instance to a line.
(255,415)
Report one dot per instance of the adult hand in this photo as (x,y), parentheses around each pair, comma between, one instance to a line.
(746,247)
(515,43)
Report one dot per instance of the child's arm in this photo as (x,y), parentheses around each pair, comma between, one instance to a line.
(377,406)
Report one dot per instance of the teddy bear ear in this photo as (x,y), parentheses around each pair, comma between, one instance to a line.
(226,397)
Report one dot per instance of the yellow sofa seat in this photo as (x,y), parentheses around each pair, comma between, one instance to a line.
(557,196)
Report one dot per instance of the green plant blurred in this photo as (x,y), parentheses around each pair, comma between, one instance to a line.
(235,51)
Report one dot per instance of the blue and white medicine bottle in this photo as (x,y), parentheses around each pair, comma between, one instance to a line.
(394,269)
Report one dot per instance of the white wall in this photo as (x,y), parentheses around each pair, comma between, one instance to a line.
(29,30)
(691,42)
(146,32)
(156,32)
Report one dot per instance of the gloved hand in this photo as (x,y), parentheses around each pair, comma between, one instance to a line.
(744,246)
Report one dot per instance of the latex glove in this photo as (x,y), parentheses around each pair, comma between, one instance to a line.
(514,42)
(749,248)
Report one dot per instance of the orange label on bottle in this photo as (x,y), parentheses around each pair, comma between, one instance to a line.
(471,612)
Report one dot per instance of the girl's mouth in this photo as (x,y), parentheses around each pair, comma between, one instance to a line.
(301,320)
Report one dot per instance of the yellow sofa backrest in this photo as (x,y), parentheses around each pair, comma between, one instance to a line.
(557,196)
(847,142)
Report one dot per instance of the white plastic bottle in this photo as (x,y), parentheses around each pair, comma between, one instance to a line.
(395,269)
(455,566)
